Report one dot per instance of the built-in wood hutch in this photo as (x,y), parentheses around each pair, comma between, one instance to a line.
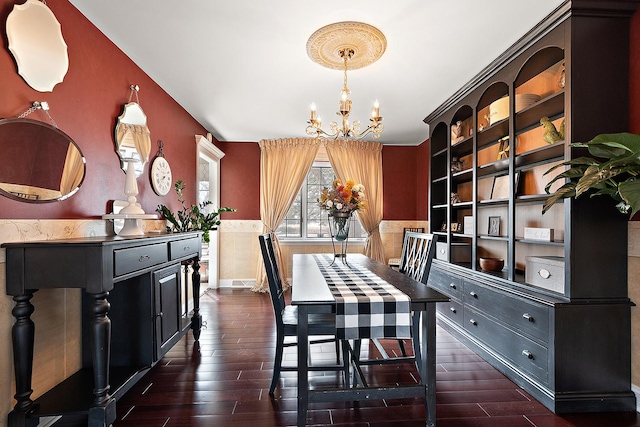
(556,318)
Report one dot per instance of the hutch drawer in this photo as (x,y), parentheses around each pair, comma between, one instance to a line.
(529,356)
(448,284)
(184,248)
(138,258)
(452,310)
(524,315)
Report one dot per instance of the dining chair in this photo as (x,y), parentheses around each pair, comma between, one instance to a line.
(287,320)
(395,262)
(418,251)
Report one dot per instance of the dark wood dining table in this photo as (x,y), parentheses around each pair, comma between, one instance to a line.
(311,294)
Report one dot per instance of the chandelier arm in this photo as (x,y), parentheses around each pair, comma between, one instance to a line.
(346,131)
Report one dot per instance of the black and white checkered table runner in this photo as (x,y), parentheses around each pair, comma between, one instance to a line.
(366,305)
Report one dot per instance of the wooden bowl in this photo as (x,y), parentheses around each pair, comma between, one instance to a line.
(491,264)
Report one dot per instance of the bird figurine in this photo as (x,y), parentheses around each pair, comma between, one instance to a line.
(551,134)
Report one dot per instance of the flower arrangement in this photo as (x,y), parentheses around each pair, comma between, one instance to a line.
(343,198)
(192,218)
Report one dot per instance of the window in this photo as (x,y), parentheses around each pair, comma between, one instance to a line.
(305,219)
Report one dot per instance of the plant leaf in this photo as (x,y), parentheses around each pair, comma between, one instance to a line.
(567,190)
(630,193)
(595,177)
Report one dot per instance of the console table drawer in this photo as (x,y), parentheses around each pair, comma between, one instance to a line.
(184,248)
(446,283)
(452,310)
(138,258)
(527,355)
(526,316)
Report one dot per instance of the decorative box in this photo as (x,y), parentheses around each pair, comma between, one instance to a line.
(546,272)
(460,252)
(536,233)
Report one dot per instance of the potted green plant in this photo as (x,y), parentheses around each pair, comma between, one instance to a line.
(611,169)
(192,218)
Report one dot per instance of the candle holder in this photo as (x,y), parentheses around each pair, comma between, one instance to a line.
(133,212)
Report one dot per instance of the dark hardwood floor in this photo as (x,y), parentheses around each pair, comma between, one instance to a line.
(223,381)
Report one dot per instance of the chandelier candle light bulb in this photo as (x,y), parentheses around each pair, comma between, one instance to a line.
(375,114)
(313,111)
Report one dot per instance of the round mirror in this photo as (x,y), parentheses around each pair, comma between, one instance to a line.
(133,139)
(39,162)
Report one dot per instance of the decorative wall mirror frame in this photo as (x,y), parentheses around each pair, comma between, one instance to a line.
(36,43)
(39,162)
(133,139)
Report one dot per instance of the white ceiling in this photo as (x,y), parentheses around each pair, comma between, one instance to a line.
(240,67)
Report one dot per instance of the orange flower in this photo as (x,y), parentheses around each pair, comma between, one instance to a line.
(342,198)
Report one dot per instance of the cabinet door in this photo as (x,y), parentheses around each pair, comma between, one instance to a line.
(167,316)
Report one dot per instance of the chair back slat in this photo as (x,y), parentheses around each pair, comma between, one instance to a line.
(273,275)
(418,250)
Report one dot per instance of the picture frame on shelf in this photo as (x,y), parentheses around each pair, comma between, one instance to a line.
(500,188)
(443,227)
(456,227)
(494,226)
(468,225)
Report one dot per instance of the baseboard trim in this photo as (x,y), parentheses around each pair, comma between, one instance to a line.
(237,283)
(636,390)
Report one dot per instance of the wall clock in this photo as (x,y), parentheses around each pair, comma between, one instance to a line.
(160,173)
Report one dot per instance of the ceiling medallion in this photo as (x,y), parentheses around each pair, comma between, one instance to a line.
(367,43)
(346,45)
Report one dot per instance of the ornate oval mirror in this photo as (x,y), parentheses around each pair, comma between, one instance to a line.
(35,40)
(39,162)
(133,139)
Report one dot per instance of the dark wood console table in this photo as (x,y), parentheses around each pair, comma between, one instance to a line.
(132,301)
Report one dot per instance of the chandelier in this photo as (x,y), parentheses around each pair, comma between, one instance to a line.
(339,45)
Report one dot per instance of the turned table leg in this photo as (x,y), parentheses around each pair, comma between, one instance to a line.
(103,410)
(196,319)
(22,335)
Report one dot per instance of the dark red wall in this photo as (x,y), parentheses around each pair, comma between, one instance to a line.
(85,106)
(399,171)
(634,75)
(240,179)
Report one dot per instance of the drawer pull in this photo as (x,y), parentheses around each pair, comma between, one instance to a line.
(473,322)
(144,258)
(473,294)
(452,285)
(544,273)
(528,354)
(443,251)
(528,317)
(186,248)
(452,309)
